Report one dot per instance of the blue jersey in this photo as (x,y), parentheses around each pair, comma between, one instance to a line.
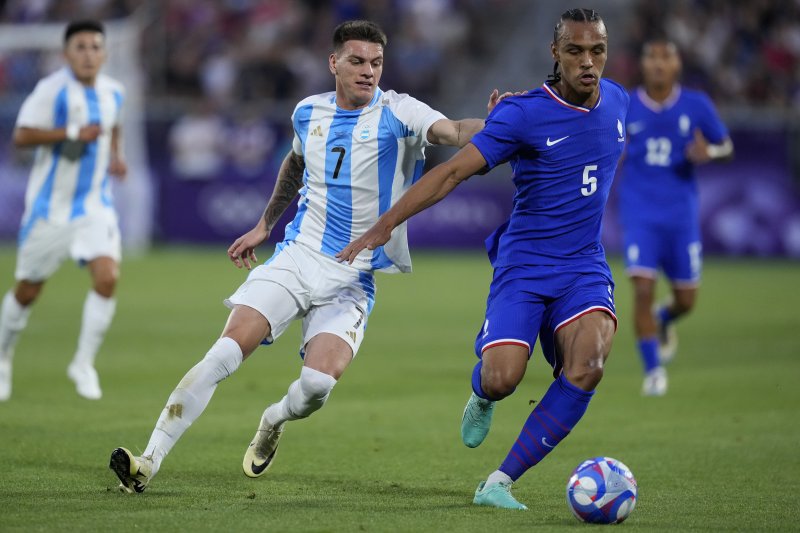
(564,158)
(658,182)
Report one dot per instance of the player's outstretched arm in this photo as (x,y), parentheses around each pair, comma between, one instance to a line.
(459,132)
(24,136)
(289,182)
(431,187)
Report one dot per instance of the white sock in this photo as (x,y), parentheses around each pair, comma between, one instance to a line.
(305,396)
(13,319)
(498,477)
(97,314)
(191,396)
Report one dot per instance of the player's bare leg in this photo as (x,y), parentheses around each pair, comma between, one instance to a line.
(242,334)
(583,346)
(14,313)
(326,358)
(682,302)
(500,371)
(98,312)
(646,327)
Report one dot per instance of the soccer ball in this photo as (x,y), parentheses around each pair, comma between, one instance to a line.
(601,491)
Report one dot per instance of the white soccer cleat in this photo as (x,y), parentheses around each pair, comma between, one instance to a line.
(5,379)
(655,382)
(86,381)
(134,472)
(261,452)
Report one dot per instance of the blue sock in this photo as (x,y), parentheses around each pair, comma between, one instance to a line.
(476,381)
(552,419)
(664,316)
(648,350)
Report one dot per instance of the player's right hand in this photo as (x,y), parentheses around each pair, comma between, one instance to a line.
(89,133)
(243,249)
(377,235)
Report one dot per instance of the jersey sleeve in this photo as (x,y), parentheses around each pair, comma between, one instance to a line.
(39,110)
(500,138)
(710,123)
(417,116)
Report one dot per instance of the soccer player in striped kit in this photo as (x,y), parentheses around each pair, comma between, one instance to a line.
(671,129)
(355,151)
(73,117)
(551,280)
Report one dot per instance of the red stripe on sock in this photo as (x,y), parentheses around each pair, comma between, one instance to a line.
(551,417)
(519,459)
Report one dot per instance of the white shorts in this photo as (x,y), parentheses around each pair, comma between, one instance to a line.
(47,245)
(298,282)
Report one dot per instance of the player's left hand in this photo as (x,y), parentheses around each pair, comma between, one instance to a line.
(117,167)
(697,150)
(495,98)
(375,236)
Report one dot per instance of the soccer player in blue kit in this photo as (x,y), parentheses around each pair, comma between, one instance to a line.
(670,130)
(563,141)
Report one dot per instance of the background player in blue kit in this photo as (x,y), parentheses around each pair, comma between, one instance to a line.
(670,130)
(551,278)
(355,150)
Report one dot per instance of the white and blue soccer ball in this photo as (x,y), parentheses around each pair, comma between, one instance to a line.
(601,490)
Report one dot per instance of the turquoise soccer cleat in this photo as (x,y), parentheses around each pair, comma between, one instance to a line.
(497,495)
(476,420)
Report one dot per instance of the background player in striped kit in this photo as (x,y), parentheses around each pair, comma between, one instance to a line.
(670,130)
(551,279)
(355,151)
(73,118)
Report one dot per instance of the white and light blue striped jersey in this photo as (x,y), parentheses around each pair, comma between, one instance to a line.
(70,179)
(358,164)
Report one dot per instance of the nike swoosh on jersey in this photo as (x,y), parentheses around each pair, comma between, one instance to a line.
(556,141)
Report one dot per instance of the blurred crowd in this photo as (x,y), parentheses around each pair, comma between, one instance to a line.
(242,50)
(740,52)
(226,51)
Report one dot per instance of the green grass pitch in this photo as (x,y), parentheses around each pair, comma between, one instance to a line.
(719,452)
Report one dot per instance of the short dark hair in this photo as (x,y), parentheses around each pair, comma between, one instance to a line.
(358,30)
(580,14)
(83,25)
(658,39)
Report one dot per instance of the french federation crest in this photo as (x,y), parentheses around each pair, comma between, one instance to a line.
(621,131)
(684,124)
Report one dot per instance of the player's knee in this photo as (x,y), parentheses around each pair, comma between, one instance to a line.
(499,382)
(309,393)
(220,361)
(316,385)
(27,293)
(104,284)
(586,376)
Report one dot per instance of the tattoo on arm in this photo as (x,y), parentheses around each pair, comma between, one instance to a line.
(290,180)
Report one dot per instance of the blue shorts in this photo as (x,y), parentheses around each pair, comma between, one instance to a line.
(677,251)
(525,302)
